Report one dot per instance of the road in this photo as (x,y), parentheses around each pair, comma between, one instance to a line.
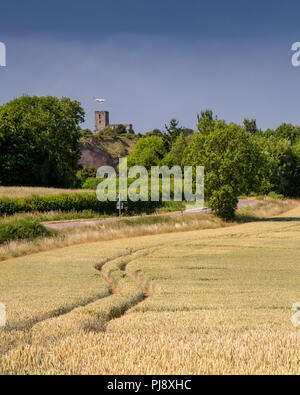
(70,224)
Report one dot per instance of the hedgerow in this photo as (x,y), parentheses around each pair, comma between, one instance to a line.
(70,202)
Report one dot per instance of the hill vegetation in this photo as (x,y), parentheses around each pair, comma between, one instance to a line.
(105,148)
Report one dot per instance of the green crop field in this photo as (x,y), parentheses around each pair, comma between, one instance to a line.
(214,301)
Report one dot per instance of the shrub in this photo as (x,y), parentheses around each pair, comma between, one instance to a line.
(91,183)
(275,195)
(18,228)
(85,173)
(253,194)
(86,133)
(223,203)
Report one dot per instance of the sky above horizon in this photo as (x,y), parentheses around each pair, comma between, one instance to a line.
(157,59)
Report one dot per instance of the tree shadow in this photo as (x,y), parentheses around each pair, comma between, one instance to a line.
(282,219)
(249,218)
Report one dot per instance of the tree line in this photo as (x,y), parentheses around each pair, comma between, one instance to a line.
(238,160)
(40,136)
(39,141)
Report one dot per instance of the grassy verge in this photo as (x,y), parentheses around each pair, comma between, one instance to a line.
(265,209)
(22,228)
(73,215)
(57,216)
(110,231)
(169,207)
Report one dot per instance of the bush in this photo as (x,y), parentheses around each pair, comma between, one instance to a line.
(275,195)
(85,173)
(18,228)
(86,133)
(253,194)
(91,183)
(223,203)
(71,202)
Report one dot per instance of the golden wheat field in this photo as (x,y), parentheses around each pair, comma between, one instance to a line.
(213,301)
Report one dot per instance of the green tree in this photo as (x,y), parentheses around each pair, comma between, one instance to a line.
(285,131)
(296,169)
(120,129)
(155,132)
(187,132)
(206,122)
(281,165)
(223,202)
(85,173)
(233,161)
(39,141)
(149,151)
(250,126)
(172,132)
(176,154)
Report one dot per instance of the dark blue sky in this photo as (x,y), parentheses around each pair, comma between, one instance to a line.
(190,19)
(154,60)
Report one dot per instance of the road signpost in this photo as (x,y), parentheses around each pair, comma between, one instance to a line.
(120,204)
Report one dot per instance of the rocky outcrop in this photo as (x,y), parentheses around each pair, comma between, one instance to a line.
(95,156)
(105,152)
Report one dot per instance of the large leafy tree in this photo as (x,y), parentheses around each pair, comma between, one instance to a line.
(281,147)
(285,131)
(176,154)
(206,122)
(39,141)
(173,131)
(233,162)
(250,126)
(149,151)
(282,165)
(296,169)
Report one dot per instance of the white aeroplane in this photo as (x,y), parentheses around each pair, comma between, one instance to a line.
(99,100)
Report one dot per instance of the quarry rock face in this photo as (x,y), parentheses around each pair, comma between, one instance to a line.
(96,156)
(102,150)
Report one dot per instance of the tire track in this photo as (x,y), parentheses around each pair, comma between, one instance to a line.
(126,290)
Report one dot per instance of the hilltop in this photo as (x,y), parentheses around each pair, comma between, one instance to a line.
(102,149)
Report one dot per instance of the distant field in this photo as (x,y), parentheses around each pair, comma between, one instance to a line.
(35,191)
(217,301)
